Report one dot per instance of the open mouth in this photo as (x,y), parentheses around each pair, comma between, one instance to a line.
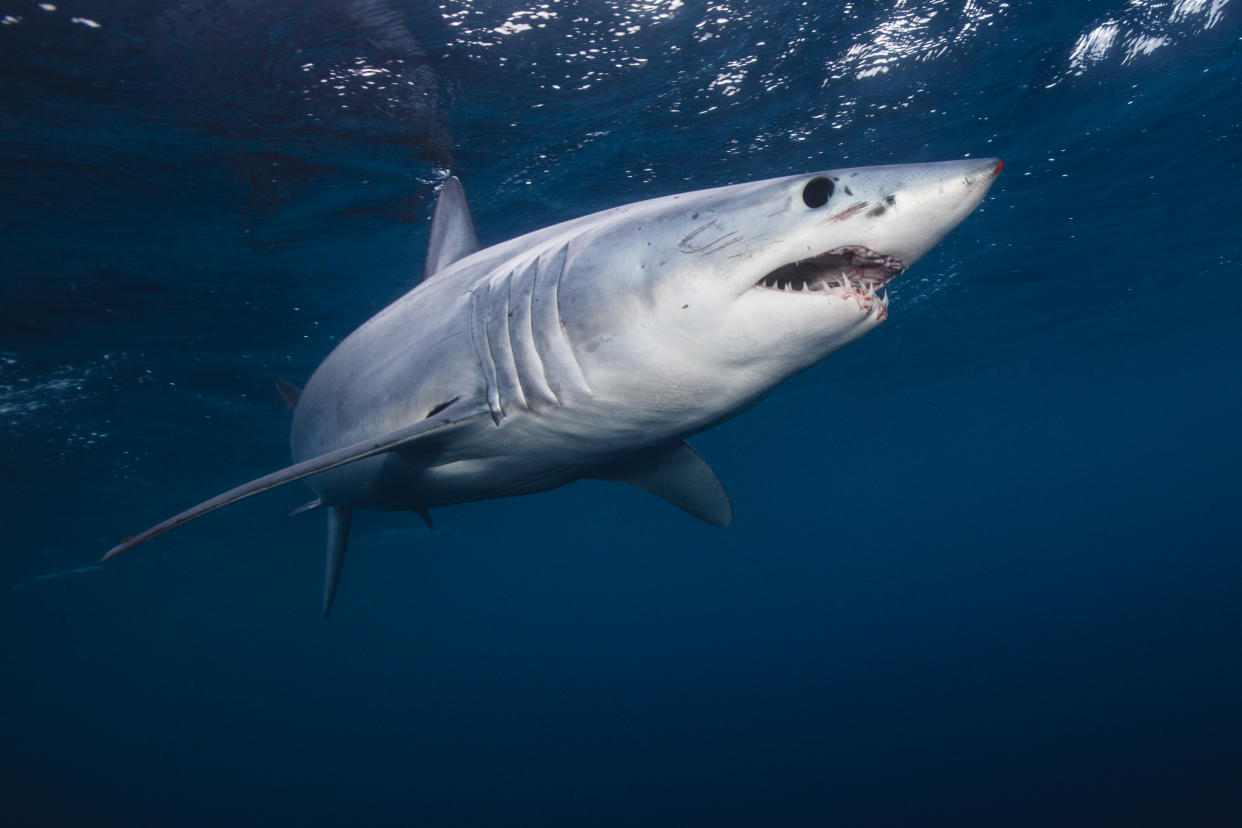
(852,267)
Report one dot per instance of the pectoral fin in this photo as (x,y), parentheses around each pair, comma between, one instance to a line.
(679,475)
(449,418)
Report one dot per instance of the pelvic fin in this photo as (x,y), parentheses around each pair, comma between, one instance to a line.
(338,538)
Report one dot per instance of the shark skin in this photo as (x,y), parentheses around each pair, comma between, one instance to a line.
(592,348)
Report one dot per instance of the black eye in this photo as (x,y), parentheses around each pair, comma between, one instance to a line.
(817,192)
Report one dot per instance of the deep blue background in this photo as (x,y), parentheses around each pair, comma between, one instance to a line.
(986,566)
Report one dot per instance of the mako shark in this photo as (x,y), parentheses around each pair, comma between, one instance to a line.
(594,347)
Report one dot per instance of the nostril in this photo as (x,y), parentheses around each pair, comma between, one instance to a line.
(817,192)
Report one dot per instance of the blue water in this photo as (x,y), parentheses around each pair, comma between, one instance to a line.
(986,566)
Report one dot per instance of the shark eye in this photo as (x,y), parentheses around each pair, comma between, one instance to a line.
(817,192)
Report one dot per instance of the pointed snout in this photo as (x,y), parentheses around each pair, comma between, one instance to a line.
(977,179)
(986,170)
(928,201)
(966,183)
(954,176)
(983,173)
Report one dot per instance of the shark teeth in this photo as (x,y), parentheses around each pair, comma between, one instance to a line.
(864,284)
(849,268)
(823,284)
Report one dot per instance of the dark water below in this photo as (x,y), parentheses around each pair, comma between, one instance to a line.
(986,566)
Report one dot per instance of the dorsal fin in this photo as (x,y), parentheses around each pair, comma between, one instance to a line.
(452,229)
(679,475)
(288,392)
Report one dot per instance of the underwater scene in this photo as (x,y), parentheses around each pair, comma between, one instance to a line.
(982,565)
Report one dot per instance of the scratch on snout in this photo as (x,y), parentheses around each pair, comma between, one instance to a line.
(691,243)
(853,209)
(750,248)
(782,209)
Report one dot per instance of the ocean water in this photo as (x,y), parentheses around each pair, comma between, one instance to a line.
(986,564)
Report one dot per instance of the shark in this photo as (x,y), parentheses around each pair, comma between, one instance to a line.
(592,348)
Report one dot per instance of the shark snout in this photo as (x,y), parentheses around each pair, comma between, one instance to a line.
(979,180)
(969,173)
(985,172)
(953,176)
(930,200)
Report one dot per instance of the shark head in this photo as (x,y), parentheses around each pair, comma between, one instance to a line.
(725,292)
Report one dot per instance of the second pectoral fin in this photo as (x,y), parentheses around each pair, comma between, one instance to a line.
(678,474)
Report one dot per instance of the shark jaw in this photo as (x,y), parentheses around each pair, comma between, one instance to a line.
(850,267)
(849,272)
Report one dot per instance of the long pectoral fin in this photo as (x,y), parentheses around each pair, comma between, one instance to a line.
(447,419)
(679,475)
(338,538)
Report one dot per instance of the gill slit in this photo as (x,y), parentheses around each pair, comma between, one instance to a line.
(482,349)
(540,384)
(563,254)
(508,357)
